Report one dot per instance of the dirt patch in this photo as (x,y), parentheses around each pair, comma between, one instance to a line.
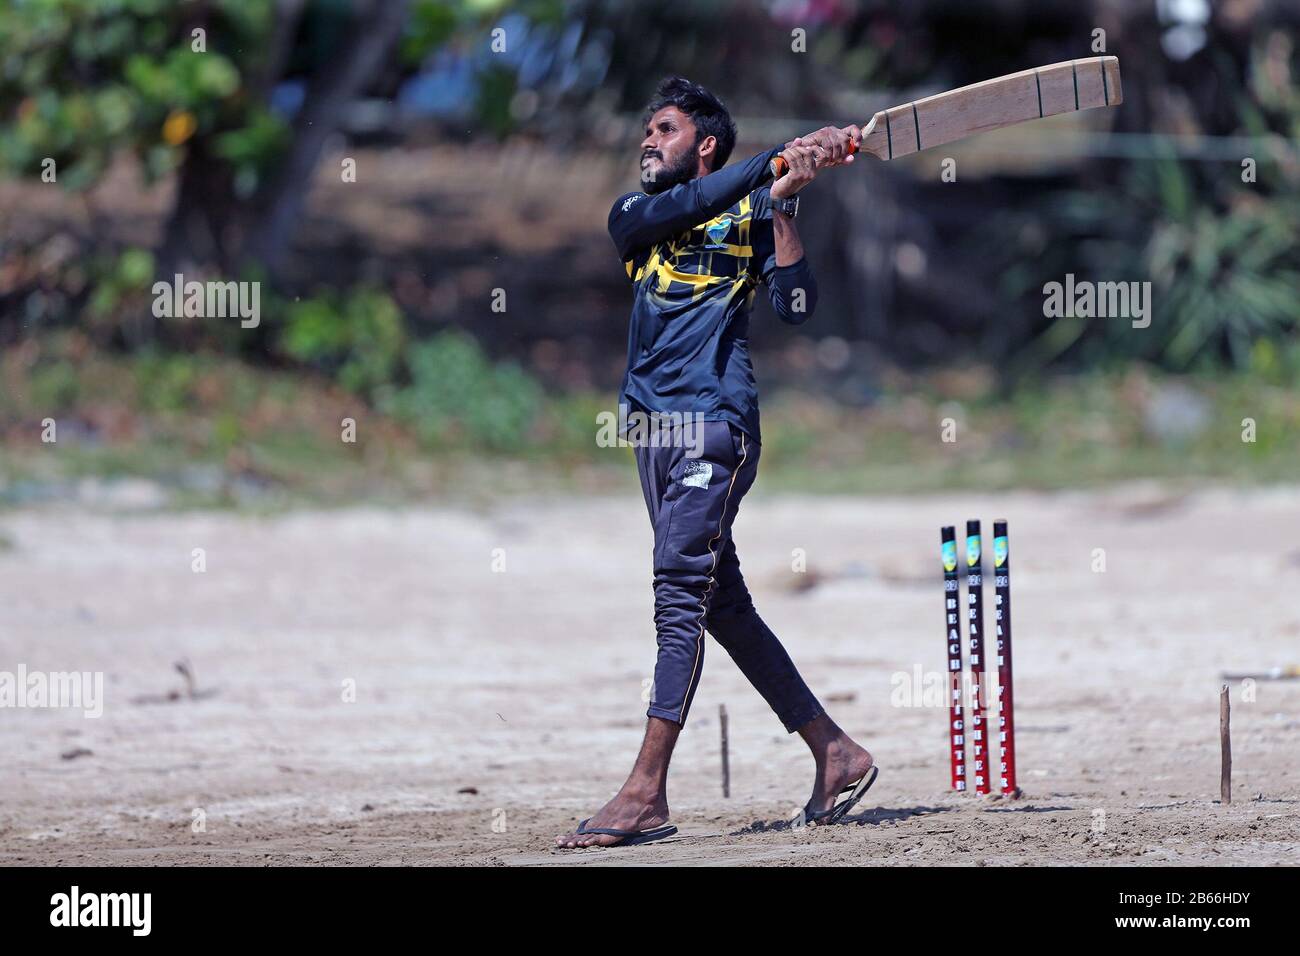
(497,660)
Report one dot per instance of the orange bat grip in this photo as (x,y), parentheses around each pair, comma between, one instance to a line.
(780,167)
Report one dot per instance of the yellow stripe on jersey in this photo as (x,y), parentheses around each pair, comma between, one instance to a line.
(665,259)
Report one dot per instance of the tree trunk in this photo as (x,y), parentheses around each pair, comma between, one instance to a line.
(279,205)
(198,232)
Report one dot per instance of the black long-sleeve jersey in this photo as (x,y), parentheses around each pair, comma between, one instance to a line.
(695,254)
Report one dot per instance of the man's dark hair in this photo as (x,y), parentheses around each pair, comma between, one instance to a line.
(705,110)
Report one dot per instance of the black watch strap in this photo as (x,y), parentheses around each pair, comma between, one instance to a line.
(788,207)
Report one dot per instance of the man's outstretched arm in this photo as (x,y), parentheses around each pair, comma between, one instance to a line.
(791,286)
(637,221)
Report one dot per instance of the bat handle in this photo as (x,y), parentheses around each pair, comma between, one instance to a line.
(780,167)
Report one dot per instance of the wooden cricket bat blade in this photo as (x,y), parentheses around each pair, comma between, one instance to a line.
(993,104)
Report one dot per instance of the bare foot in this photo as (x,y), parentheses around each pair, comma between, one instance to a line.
(840,764)
(627,811)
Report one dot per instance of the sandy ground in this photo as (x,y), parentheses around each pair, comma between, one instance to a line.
(494,707)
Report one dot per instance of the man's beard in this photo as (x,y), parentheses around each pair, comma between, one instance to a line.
(683,171)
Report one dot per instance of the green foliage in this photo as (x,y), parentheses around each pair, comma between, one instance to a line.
(358,336)
(432,23)
(457,396)
(453,395)
(1223,280)
(127,276)
(251,148)
(1222,256)
(227,432)
(165,382)
(496,88)
(83,79)
(54,386)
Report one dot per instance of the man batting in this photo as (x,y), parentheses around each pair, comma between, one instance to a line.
(696,244)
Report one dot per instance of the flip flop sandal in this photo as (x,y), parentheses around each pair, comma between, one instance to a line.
(856,791)
(628,837)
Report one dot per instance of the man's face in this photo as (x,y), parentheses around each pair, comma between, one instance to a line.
(668,153)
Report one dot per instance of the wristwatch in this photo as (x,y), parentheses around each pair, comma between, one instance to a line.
(787,207)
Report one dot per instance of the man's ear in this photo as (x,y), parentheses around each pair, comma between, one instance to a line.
(708,147)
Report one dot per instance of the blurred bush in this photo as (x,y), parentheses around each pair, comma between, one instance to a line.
(458,397)
(124,278)
(87,78)
(357,336)
(164,381)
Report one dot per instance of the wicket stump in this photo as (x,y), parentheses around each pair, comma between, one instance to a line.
(1006,701)
(952,624)
(979,755)
(1005,706)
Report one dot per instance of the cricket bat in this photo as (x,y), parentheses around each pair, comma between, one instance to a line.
(993,104)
